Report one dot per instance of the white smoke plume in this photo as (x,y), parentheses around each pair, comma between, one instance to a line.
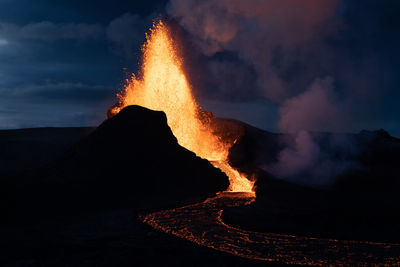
(316,109)
(305,162)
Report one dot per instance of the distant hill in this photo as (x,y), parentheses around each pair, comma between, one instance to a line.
(369,160)
(26,149)
(363,203)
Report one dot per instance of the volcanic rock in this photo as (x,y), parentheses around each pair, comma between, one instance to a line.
(131,160)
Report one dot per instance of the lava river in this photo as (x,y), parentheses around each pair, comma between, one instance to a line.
(202,224)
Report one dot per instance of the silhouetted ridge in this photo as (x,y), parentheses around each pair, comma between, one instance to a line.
(131,160)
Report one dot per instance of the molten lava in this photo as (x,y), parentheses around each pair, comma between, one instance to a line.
(163,86)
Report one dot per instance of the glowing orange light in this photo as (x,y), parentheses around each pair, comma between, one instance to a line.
(163,86)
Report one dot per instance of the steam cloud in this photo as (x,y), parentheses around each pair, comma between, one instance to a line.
(255,30)
(276,42)
(304,161)
(316,109)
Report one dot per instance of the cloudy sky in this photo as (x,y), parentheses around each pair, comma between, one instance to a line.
(61,62)
(280,65)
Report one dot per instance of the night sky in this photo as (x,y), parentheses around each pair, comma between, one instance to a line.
(63,61)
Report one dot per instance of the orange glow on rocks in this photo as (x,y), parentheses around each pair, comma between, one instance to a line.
(163,86)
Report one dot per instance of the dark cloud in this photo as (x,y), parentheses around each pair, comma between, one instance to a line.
(54,104)
(48,31)
(58,64)
(66,92)
(230,79)
(74,11)
(253,29)
(289,45)
(126,33)
(328,66)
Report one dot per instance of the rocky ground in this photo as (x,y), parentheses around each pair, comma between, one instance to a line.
(72,196)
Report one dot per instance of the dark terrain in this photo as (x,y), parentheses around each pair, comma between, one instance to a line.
(363,203)
(72,196)
(27,149)
(81,209)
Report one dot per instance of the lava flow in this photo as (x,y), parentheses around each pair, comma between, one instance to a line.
(163,86)
(202,224)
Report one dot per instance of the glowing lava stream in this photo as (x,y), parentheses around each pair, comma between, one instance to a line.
(163,86)
(202,224)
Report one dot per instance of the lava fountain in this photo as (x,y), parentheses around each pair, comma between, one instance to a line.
(163,86)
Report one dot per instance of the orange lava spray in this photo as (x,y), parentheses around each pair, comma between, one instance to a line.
(163,86)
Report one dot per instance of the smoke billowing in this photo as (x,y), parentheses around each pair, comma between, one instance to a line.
(312,160)
(260,33)
(298,55)
(277,50)
(316,109)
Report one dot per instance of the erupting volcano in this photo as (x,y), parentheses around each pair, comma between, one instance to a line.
(163,86)
(163,182)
